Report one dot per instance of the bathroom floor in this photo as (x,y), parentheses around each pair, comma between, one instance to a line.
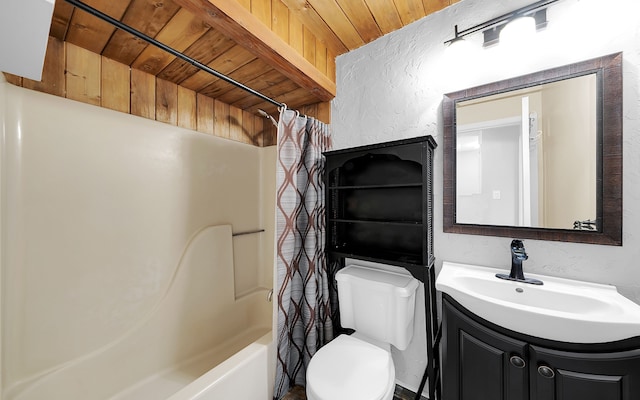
(297,393)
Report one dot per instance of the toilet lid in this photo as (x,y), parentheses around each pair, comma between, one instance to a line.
(349,368)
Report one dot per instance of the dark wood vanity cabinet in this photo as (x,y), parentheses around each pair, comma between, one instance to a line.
(480,363)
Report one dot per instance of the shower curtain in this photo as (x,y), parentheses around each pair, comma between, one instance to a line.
(304,308)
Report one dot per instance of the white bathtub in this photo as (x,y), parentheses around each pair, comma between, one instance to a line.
(220,373)
(248,374)
(200,342)
(213,376)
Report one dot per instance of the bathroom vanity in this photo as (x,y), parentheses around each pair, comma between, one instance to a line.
(379,201)
(482,361)
(490,353)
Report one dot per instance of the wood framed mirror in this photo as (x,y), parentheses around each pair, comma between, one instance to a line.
(537,156)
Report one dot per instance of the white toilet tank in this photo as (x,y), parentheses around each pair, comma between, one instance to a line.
(377,303)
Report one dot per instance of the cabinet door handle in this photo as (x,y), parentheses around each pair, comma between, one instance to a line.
(517,362)
(546,372)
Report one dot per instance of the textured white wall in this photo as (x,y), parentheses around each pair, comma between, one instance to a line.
(392,89)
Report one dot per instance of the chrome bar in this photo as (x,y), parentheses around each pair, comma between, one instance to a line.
(248,232)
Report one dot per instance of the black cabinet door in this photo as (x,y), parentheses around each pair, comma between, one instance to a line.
(478,363)
(562,375)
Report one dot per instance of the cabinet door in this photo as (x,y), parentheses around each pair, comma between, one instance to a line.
(479,364)
(561,375)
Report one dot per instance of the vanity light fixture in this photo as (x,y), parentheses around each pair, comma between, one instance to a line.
(533,14)
(459,48)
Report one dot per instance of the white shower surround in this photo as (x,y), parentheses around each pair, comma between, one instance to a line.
(392,88)
(120,277)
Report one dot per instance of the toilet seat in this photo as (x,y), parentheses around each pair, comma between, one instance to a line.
(349,368)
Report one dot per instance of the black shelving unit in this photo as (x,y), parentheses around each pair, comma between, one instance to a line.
(379,207)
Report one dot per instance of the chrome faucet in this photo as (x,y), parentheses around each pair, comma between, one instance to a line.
(518,255)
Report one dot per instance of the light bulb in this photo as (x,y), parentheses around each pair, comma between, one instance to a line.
(460,50)
(518,31)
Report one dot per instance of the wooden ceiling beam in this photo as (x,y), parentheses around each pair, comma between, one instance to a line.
(245,29)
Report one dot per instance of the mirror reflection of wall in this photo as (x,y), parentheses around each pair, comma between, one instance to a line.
(469,163)
(534,161)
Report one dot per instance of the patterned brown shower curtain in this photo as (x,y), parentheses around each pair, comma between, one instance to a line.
(304,307)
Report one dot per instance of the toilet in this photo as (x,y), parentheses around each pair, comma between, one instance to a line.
(379,305)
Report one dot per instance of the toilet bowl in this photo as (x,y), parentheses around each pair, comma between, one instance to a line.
(349,368)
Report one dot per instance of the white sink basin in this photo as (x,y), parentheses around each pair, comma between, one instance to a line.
(560,309)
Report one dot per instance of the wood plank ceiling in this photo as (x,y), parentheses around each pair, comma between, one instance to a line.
(199,29)
(348,24)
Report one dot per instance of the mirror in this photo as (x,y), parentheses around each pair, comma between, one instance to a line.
(538,156)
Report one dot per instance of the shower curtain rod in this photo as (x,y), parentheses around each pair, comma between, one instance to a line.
(150,40)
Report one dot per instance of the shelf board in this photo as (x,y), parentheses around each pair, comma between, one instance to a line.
(386,257)
(376,221)
(385,186)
